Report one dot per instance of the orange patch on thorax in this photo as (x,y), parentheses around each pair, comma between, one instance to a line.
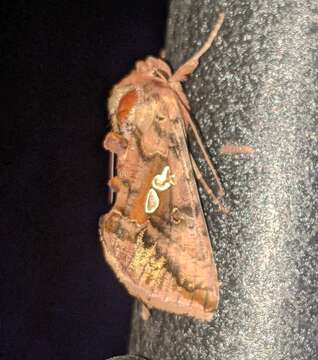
(126,103)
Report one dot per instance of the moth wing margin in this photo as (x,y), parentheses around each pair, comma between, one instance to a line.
(173,298)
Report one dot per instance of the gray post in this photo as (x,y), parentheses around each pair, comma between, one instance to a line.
(256,86)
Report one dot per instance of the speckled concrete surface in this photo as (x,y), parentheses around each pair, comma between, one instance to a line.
(257,86)
(126,357)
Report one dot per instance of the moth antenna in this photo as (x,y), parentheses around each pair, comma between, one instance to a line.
(189,66)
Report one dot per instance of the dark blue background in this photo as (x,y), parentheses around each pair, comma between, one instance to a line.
(58,63)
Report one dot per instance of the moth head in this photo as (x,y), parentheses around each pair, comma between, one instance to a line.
(160,71)
(155,68)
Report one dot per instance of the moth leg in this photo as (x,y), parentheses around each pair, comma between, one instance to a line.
(221,191)
(233,149)
(215,198)
(188,67)
(111,171)
(144,311)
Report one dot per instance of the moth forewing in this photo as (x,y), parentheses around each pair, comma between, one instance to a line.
(155,237)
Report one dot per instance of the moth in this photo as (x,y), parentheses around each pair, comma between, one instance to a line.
(155,236)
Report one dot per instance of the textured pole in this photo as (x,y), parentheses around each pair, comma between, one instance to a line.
(257,86)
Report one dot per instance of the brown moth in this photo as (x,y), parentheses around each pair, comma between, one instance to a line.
(155,237)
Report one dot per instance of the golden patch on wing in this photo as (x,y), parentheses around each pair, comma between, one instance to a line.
(147,266)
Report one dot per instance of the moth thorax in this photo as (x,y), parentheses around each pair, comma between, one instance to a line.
(126,105)
(121,104)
